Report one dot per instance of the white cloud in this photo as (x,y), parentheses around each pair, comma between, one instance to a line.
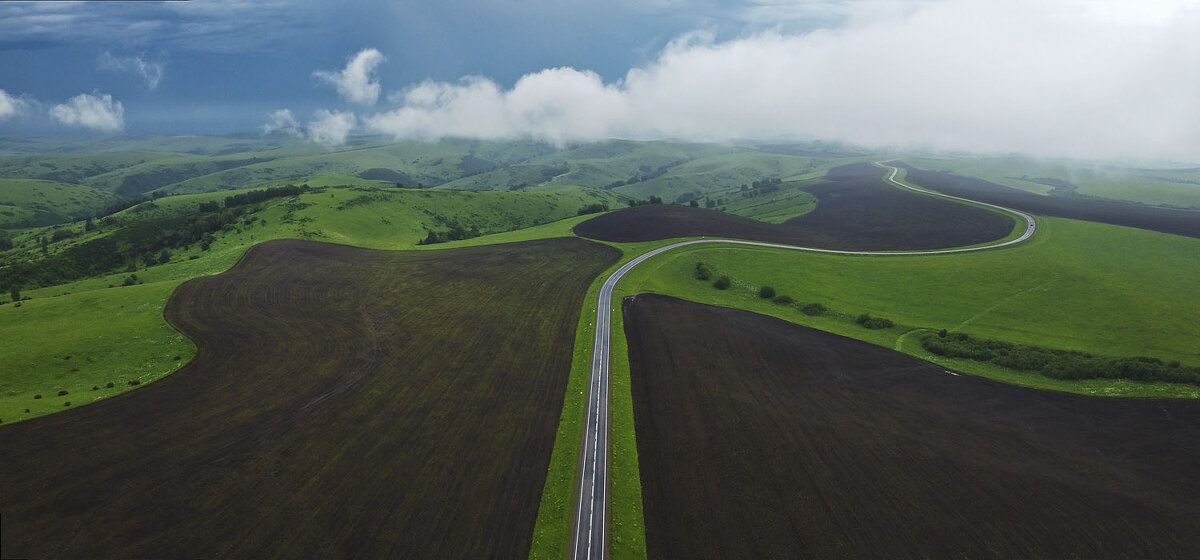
(151,71)
(331,127)
(356,82)
(1067,78)
(11,106)
(97,111)
(282,120)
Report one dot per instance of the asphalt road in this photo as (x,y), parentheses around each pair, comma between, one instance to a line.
(590,534)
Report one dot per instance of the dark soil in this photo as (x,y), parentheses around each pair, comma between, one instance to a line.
(1166,220)
(344,403)
(759,438)
(856,210)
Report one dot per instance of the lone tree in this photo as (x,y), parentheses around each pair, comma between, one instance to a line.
(766,292)
(15,292)
(722,283)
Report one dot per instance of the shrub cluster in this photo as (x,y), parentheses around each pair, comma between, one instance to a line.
(252,197)
(870,322)
(722,283)
(1058,364)
(766,292)
(814,309)
(595,208)
(783,300)
(703,272)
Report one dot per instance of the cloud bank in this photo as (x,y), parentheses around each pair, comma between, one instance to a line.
(330,128)
(356,82)
(97,111)
(282,121)
(1066,78)
(11,106)
(150,71)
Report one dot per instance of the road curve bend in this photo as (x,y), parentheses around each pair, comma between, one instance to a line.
(590,528)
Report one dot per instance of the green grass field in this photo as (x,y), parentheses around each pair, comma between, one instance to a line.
(75,342)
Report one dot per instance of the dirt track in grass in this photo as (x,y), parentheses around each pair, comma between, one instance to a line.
(344,403)
(1166,220)
(856,210)
(758,438)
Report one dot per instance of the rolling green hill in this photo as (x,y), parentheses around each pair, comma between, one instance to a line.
(35,202)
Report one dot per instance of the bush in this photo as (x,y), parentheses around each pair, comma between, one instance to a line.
(37,396)
(722,283)
(878,323)
(130,280)
(862,319)
(95,387)
(703,272)
(109,385)
(813,309)
(766,292)
(593,208)
(62,393)
(68,403)
(134,382)
(784,300)
(942,333)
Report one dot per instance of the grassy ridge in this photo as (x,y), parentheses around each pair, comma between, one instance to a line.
(33,202)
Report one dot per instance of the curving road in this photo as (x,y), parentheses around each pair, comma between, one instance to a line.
(590,526)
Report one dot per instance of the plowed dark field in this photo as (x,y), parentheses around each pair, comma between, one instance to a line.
(855,210)
(763,439)
(1166,220)
(344,403)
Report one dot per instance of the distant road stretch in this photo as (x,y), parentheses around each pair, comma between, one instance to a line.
(590,533)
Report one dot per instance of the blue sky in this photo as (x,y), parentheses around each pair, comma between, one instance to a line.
(226,63)
(1078,78)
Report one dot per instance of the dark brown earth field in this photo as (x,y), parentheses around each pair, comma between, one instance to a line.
(344,403)
(759,438)
(1166,220)
(856,210)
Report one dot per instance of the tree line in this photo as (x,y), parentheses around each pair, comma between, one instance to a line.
(1058,364)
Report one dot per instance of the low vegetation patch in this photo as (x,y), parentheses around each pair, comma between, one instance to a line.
(814,309)
(867,321)
(1058,364)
